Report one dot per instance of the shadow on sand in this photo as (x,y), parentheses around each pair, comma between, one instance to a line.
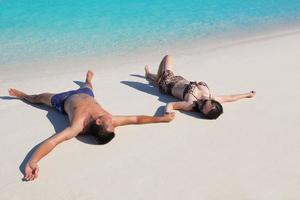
(58,120)
(150,88)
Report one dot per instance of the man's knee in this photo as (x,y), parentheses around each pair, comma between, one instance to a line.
(35,98)
(42,98)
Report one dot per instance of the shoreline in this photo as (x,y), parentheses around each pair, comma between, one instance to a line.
(182,46)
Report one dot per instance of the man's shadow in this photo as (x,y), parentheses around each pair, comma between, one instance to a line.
(150,88)
(59,122)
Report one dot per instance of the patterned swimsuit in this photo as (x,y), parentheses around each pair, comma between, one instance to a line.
(167,81)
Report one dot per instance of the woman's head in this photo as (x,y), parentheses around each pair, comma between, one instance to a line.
(210,109)
(102,129)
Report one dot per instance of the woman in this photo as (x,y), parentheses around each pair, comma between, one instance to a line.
(194,95)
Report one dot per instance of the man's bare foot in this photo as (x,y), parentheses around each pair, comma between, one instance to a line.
(147,71)
(89,76)
(88,79)
(16,93)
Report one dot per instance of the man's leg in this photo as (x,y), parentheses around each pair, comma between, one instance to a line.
(165,64)
(44,98)
(88,79)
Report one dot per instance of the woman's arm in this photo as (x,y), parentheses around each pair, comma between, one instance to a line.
(31,168)
(235,97)
(181,105)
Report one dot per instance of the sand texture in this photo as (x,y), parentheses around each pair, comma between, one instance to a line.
(250,153)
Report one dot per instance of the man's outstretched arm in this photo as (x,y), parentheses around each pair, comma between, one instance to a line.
(141,119)
(234,97)
(31,168)
(179,105)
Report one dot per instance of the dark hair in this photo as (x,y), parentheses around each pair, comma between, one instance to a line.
(100,133)
(215,112)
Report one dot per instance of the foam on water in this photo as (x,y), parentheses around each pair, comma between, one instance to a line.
(41,29)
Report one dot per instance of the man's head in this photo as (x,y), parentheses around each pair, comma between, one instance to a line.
(102,129)
(210,109)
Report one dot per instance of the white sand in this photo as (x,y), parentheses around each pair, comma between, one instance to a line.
(250,152)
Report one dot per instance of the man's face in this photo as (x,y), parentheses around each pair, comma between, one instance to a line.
(106,121)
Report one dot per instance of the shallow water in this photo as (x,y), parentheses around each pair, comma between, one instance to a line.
(40,29)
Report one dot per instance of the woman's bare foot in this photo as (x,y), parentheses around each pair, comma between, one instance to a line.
(149,76)
(16,93)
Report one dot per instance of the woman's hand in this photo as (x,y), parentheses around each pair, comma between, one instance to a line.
(31,171)
(251,94)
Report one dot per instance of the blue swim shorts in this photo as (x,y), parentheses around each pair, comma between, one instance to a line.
(58,100)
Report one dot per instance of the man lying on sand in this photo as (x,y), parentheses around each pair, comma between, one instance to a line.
(86,117)
(195,96)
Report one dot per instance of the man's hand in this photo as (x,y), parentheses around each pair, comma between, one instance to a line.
(168,116)
(31,171)
(251,94)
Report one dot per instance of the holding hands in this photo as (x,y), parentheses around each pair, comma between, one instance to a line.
(169,116)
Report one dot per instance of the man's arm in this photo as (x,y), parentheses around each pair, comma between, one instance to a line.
(234,97)
(31,168)
(141,119)
(181,105)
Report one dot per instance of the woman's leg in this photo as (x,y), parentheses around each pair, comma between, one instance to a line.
(44,98)
(165,64)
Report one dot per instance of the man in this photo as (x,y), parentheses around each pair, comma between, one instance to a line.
(86,116)
(194,96)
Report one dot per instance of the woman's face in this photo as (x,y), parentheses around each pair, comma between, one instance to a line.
(205,106)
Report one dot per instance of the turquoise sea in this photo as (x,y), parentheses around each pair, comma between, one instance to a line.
(39,29)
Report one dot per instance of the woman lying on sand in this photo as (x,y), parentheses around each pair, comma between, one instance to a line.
(195,96)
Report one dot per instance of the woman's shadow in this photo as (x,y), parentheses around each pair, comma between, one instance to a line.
(150,88)
(59,122)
